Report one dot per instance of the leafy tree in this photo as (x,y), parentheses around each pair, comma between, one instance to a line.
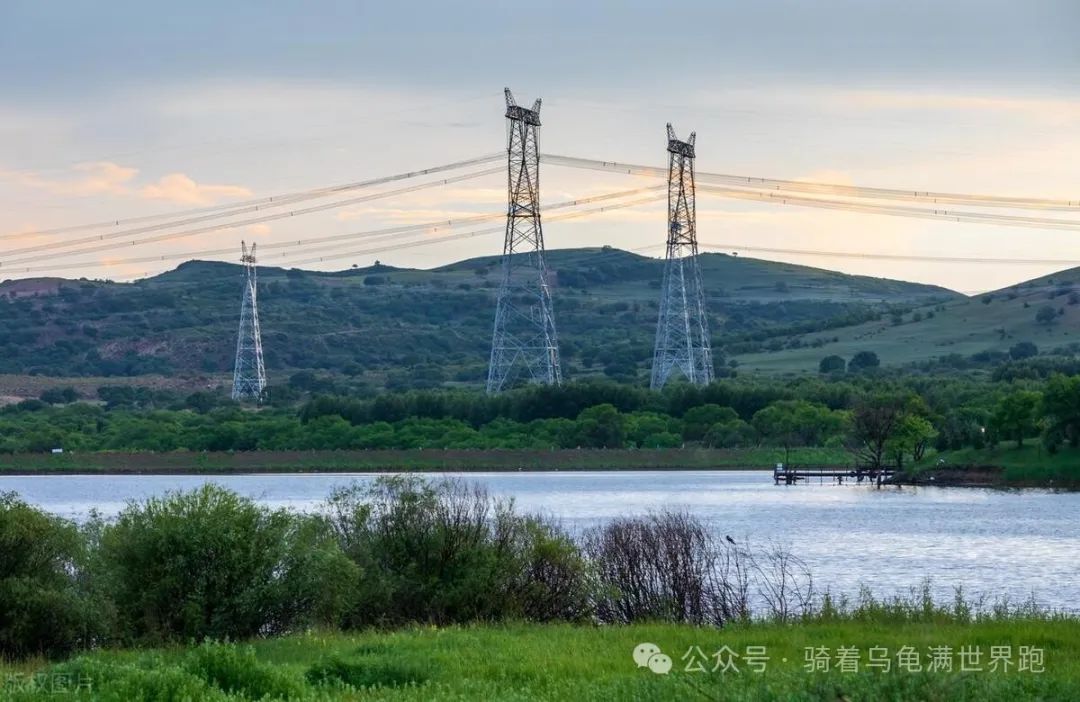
(59,396)
(1016,415)
(797,423)
(698,420)
(601,427)
(962,427)
(1022,350)
(832,364)
(210,563)
(874,421)
(735,434)
(911,436)
(1060,408)
(863,360)
(643,428)
(43,609)
(1046,315)
(664,439)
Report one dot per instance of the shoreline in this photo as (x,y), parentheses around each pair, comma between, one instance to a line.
(977,476)
(396,461)
(438,461)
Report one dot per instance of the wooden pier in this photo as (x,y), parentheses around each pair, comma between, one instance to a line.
(791,475)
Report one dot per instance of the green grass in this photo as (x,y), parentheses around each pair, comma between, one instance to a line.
(1029,465)
(435,460)
(564,662)
(962,326)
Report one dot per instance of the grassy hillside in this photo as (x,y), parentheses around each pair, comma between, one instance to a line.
(991,322)
(403,327)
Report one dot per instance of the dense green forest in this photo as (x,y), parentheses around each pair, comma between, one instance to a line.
(879,418)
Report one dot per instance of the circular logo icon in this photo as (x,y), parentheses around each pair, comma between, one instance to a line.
(643,652)
(660,663)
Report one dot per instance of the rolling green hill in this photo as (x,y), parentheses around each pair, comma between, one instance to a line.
(993,322)
(407,327)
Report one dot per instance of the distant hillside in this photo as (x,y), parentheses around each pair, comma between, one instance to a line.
(995,321)
(406,327)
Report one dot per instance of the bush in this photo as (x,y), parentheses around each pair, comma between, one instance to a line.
(148,678)
(863,360)
(338,672)
(832,364)
(59,396)
(43,608)
(736,434)
(445,552)
(663,567)
(210,563)
(235,670)
(1022,350)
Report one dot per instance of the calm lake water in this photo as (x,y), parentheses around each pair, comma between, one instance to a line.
(995,543)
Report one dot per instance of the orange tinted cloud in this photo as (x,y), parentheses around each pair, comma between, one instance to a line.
(177,187)
(93,178)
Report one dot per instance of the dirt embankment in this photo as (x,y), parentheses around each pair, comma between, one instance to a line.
(956,476)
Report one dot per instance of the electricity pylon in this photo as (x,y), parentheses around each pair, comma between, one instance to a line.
(682,330)
(249,374)
(524,343)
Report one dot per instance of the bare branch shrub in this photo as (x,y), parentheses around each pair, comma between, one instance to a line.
(666,566)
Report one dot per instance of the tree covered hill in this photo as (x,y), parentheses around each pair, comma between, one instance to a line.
(412,327)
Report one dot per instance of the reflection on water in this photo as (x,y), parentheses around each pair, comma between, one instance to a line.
(997,543)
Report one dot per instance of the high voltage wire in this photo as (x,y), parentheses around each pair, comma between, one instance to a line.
(753,189)
(895,210)
(220,226)
(758,183)
(895,257)
(8,265)
(350,237)
(264,202)
(1014,202)
(433,227)
(467,235)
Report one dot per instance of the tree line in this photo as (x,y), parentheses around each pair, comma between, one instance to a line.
(882,420)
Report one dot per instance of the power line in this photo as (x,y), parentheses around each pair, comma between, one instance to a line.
(811,187)
(347,239)
(468,235)
(896,210)
(895,257)
(225,225)
(256,203)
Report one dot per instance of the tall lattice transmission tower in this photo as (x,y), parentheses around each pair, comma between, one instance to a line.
(524,343)
(682,330)
(249,374)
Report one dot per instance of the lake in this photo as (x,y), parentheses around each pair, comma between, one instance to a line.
(996,543)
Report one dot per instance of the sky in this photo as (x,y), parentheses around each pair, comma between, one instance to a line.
(116,110)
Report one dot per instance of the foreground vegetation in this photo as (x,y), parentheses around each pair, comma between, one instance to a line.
(567,662)
(410,590)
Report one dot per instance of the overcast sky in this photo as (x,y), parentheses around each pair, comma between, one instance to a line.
(117,109)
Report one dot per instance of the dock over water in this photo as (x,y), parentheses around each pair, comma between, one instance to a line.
(791,475)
